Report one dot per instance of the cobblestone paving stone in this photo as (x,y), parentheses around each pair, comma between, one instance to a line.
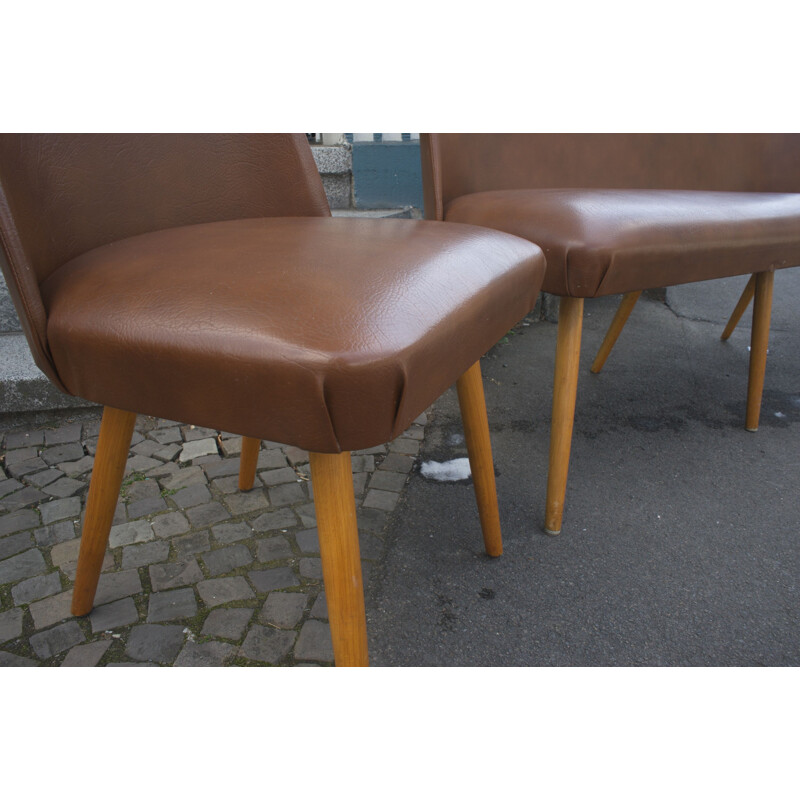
(197,572)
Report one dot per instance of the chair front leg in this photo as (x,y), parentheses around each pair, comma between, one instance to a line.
(741,305)
(759,341)
(617,324)
(332,477)
(248,462)
(113,444)
(565,388)
(472,401)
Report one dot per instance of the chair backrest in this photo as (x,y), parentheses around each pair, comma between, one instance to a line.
(64,194)
(455,164)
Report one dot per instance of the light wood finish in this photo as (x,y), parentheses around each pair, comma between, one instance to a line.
(335,505)
(565,387)
(113,444)
(744,301)
(759,341)
(248,462)
(479,446)
(617,324)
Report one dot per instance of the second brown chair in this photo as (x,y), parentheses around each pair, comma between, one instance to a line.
(620,213)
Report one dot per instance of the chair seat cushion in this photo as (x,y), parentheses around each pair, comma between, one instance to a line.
(328,334)
(600,242)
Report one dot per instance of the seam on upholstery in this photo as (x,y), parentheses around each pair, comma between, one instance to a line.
(400,400)
(438,187)
(436,174)
(609,270)
(568,272)
(323,388)
(304,154)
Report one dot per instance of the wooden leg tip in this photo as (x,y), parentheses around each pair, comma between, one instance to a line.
(752,430)
(79,610)
(552,533)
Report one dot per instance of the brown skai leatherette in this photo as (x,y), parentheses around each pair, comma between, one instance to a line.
(64,194)
(600,242)
(200,278)
(331,334)
(621,212)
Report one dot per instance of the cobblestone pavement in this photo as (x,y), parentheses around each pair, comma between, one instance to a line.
(197,573)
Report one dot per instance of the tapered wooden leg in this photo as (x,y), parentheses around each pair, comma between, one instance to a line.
(744,301)
(116,430)
(335,505)
(479,446)
(759,341)
(565,387)
(248,462)
(617,324)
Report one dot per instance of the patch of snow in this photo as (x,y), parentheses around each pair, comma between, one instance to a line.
(455,470)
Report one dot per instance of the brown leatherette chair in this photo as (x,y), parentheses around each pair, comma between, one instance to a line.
(620,213)
(201,278)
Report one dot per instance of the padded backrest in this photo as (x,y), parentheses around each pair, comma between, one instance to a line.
(64,194)
(455,164)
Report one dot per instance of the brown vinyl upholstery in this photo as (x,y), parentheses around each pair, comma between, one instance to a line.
(200,278)
(601,241)
(624,212)
(465,163)
(330,334)
(56,204)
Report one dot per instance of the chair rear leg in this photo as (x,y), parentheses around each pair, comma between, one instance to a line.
(759,341)
(248,462)
(116,430)
(335,506)
(617,324)
(472,401)
(741,305)
(565,387)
